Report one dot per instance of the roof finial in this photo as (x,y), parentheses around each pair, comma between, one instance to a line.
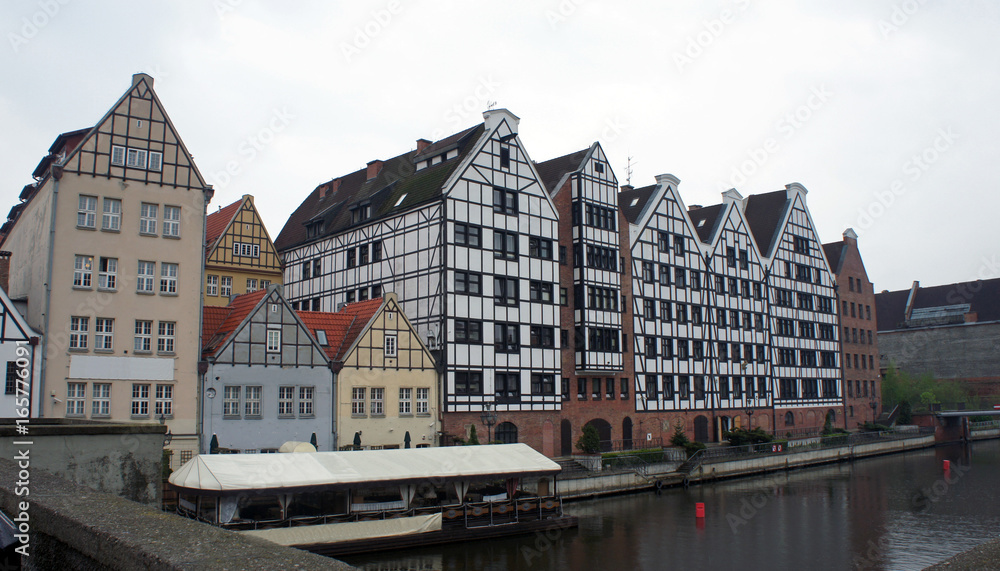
(491,104)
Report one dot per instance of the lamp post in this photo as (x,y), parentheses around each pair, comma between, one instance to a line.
(874,405)
(167,438)
(489,418)
(749,412)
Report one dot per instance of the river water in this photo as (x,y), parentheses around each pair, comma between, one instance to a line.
(901,511)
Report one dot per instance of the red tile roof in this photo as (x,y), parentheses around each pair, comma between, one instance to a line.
(217,222)
(342,328)
(237,310)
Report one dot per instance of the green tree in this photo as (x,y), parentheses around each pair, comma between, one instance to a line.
(473,437)
(679,438)
(590,441)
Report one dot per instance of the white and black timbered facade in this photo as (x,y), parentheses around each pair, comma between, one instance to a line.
(804,333)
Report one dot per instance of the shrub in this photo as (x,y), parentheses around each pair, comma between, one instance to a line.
(679,438)
(590,441)
(473,437)
(872,427)
(742,437)
(693,447)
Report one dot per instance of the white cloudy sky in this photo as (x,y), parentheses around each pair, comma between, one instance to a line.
(856,99)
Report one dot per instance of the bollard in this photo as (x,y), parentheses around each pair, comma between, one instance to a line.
(947,465)
(699,510)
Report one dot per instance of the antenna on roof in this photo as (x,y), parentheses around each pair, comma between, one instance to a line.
(628,171)
(490,105)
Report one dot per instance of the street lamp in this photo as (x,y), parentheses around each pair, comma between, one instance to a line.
(749,412)
(167,438)
(489,418)
(874,405)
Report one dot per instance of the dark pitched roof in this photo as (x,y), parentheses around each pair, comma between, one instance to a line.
(397,186)
(64,144)
(764,213)
(553,170)
(981,296)
(632,201)
(835,255)
(706,219)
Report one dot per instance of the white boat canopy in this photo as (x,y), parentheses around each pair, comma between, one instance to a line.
(215,474)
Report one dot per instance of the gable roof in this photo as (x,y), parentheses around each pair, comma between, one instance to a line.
(706,220)
(397,186)
(217,222)
(342,328)
(226,319)
(632,201)
(764,214)
(951,302)
(835,255)
(552,171)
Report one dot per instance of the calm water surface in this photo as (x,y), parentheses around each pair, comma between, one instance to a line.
(893,512)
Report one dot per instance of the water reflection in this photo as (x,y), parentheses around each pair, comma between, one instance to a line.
(900,511)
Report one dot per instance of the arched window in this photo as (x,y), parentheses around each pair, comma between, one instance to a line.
(831,416)
(506,433)
(789,419)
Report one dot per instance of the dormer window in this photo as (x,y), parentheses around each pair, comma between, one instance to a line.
(314,229)
(361,213)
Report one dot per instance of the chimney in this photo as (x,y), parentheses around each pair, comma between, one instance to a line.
(373,169)
(626,188)
(331,187)
(422,144)
(137,77)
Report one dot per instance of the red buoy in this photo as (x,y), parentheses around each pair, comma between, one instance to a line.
(699,510)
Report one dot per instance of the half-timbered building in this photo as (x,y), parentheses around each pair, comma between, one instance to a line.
(239,255)
(19,352)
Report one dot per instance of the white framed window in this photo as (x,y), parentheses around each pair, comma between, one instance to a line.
(143,341)
(104,334)
(246,250)
(164,400)
(405,400)
(140,399)
(107,276)
(211,285)
(86,214)
(83,271)
(135,158)
(273,340)
(168,278)
(423,400)
(358,400)
(378,400)
(165,337)
(231,401)
(118,156)
(226,286)
(147,218)
(390,345)
(76,397)
(172,221)
(101,401)
(251,285)
(286,401)
(145,277)
(306,401)
(251,401)
(112,216)
(155,161)
(79,329)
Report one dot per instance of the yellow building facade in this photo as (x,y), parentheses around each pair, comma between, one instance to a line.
(239,255)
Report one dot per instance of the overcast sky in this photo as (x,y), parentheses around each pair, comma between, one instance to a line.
(887,111)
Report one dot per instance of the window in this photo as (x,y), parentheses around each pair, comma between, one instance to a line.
(782,297)
(667,348)
(695,280)
(168,278)
(468,382)
(155,161)
(376,248)
(377,401)
(507,387)
(147,218)
(647,272)
(118,156)
(358,401)
(504,201)
(10,388)
(361,213)
(649,309)
(623,394)
(505,245)
(79,327)
(83,270)
(807,329)
(112,216)
(101,401)
(505,291)
(665,310)
(724,350)
(143,336)
(680,277)
(731,256)
(86,214)
(539,248)
(231,401)
(664,274)
(468,235)
(165,339)
(165,400)
(306,395)
(540,292)
(405,401)
(652,387)
(563,296)
(140,399)
(286,401)
(650,347)
(868,312)
(107,277)
(810,388)
(423,400)
(76,394)
(390,346)
(226,286)
(663,241)
(273,340)
(696,318)
(789,419)
(789,389)
(136,158)
(211,285)
(800,244)
(826,331)
(602,339)
(104,329)
(829,388)
(251,402)
(468,283)
(544,337)
(724,388)
(504,157)
(468,331)
(825,304)
(507,338)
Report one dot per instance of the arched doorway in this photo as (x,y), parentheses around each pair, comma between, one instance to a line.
(725,424)
(627,433)
(701,428)
(831,417)
(565,438)
(789,419)
(506,433)
(603,431)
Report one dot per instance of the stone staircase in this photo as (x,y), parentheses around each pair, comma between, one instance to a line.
(571,467)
